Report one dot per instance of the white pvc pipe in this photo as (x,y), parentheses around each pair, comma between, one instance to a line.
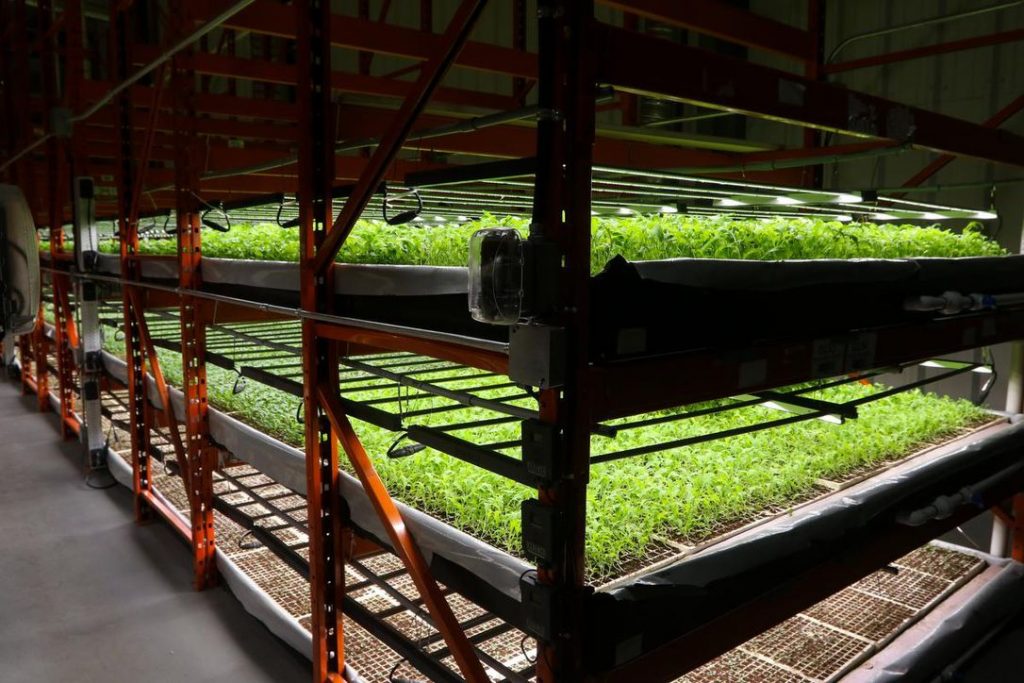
(944,506)
(1000,537)
(1015,382)
(918,24)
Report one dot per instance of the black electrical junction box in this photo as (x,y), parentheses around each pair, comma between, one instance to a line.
(542,450)
(541,607)
(542,532)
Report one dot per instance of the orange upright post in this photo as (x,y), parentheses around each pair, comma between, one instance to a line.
(200,453)
(129,240)
(316,178)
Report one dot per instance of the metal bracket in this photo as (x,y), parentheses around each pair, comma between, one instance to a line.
(93,361)
(97,458)
(91,390)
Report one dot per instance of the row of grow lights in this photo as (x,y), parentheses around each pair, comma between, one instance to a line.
(616,191)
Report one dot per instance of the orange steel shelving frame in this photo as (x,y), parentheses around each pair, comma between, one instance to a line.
(168,142)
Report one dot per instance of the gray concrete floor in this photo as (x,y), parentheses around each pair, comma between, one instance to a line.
(87,595)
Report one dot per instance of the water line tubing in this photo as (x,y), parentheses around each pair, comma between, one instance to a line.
(919,24)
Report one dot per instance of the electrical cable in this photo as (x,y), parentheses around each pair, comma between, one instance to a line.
(989,359)
(394,452)
(522,646)
(392,678)
(402,217)
(88,481)
(252,544)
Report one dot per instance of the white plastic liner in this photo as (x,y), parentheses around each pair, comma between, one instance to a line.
(351,279)
(253,599)
(997,600)
(824,519)
(287,466)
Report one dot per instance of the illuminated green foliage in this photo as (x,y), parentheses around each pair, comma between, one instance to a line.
(635,238)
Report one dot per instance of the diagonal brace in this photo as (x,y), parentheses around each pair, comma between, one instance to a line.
(402,540)
(161,385)
(431,75)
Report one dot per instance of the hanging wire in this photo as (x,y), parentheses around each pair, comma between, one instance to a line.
(402,217)
(251,544)
(989,359)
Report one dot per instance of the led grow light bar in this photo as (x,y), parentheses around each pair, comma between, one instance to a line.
(620,191)
(731,193)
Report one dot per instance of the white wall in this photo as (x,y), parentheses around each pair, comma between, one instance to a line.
(971,85)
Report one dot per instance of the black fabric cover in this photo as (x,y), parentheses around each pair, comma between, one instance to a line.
(687,304)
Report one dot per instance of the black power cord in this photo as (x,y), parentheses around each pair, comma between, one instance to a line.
(249,542)
(394,452)
(100,487)
(404,216)
(993,377)
(392,678)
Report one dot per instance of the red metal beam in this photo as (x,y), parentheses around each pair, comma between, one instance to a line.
(989,40)
(40,343)
(562,216)
(716,80)
(937,165)
(135,357)
(157,503)
(271,18)
(464,355)
(269,72)
(362,121)
(1017,539)
(812,69)
(228,105)
(283,136)
(57,180)
(66,339)
(726,22)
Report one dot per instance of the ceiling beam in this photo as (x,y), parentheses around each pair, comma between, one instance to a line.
(271,18)
(704,77)
(725,22)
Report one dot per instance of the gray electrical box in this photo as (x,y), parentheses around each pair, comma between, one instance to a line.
(537,356)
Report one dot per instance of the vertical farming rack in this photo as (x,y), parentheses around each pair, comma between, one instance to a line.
(138,115)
